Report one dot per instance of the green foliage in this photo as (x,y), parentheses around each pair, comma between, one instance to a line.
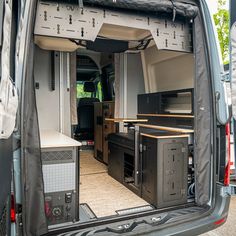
(221,19)
(81,93)
(99,91)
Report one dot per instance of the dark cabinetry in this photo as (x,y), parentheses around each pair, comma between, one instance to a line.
(102,128)
(164,171)
(149,103)
(98,130)
(164,167)
(170,102)
(116,162)
(108,127)
(121,164)
(121,156)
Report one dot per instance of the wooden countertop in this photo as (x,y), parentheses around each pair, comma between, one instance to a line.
(167,115)
(165,136)
(172,129)
(54,139)
(126,120)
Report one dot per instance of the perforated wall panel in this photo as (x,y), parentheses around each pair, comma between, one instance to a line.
(59,177)
(55,156)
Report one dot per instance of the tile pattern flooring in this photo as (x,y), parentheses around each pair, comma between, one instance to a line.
(101,192)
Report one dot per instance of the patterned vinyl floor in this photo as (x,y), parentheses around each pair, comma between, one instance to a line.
(101,192)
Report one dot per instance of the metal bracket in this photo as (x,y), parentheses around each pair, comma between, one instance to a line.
(73,22)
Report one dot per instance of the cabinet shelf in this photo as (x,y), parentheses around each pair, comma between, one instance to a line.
(167,115)
(165,128)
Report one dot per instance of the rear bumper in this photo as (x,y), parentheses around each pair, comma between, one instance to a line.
(202,224)
(173,223)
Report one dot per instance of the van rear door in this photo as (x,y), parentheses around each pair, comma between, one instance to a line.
(8,108)
(233,72)
(5,164)
(5,183)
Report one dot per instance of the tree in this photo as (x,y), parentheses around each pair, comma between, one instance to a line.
(221,19)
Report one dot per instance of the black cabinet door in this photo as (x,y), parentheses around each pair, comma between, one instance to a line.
(175,169)
(149,168)
(149,103)
(116,162)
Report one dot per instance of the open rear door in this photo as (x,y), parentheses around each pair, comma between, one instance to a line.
(233,70)
(8,108)
(5,183)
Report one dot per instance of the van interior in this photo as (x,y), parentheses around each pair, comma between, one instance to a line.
(115,113)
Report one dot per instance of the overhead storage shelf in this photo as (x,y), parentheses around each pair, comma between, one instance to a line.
(87,23)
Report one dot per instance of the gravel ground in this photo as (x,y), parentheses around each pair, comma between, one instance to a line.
(229,228)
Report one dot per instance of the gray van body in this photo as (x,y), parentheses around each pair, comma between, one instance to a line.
(213,202)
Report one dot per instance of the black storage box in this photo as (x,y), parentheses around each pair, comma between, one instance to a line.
(165,170)
(121,146)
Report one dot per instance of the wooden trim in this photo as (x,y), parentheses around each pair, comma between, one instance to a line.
(178,130)
(165,137)
(125,120)
(168,115)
